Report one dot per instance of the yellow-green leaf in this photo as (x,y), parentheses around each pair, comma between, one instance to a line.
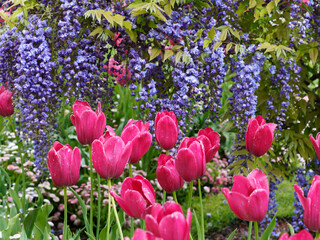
(127,25)
(252,3)
(118,19)
(216,45)
(178,56)
(264,45)
(211,33)
(270,7)
(167,54)
(229,45)
(96,31)
(206,43)
(168,9)
(199,34)
(155,52)
(313,53)
(159,15)
(223,35)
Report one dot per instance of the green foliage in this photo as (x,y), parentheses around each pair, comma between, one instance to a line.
(284,197)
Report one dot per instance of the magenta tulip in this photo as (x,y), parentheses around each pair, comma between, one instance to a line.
(191,159)
(166,129)
(140,234)
(137,196)
(210,140)
(259,136)
(249,196)
(64,164)
(316,144)
(168,222)
(138,133)
(6,106)
(302,235)
(89,125)
(110,155)
(311,204)
(167,174)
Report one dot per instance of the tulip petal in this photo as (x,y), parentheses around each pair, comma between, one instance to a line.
(301,197)
(242,185)
(129,133)
(316,144)
(152,225)
(135,202)
(122,203)
(166,133)
(258,179)
(189,220)
(302,235)
(173,227)
(284,236)
(75,165)
(124,158)
(238,204)
(99,161)
(100,126)
(312,215)
(262,141)
(187,165)
(140,146)
(251,132)
(258,205)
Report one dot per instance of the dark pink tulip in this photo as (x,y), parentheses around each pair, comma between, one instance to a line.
(167,174)
(140,234)
(191,159)
(6,106)
(64,164)
(302,235)
(249,196)
(137,196)
(166,129)
(316,144)
(110,155)
(168,222)
(210,140)
(259,136)
(311,205)
(89,125)
(138,133)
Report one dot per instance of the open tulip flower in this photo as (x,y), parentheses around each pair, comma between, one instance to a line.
(302,235)
(166,129)
(137,196)
(64,164)
(6,106)
(259,136)
(138,133)
(140,234)
(89,125)
(168,222)
(249,196)
(167,174)
(316,144)
(311,205)
(210,140)
(191,159)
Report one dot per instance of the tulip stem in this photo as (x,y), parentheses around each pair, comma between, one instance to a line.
(164,197)
(131,227)
(256,230)
(190,193)
(65,214)
(201,210)
(317,236)
(109,209)
(249,230)
(91,192)
(115,211)
(175,197)
(99,207)
(130,170)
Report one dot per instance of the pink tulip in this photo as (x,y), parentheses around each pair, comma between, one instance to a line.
(249,196)
(166,129)
(64,164)
(167,174)
(138,133)
(302,235)
(6,106)
(311,205)
(168,222)
(191,159)
(210,140)
(316,144)
(89,125)
(140,234)
(137,196)
(110,155)
(259,136)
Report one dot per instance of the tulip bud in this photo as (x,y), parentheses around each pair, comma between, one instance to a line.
(64,164)
(6,106)
(167,174)
(249,196)
(310,204)
(211,142)
(316,144)
(89,125)
(166,129)
(138,133)
(191,159)
(259,136)
(137,196)
(302,235)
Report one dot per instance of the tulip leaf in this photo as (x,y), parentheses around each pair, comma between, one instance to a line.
(11,228)
(291,229)
(29,222)
(232,234)
(267,233)
(197,224)
(6,175)
(16,199)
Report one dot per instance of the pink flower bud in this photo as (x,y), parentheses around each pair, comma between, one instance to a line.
(6,106)
(166,129)
(211,142)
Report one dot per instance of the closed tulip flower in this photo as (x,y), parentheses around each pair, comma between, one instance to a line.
(64,164)
(191,159)
(211,142)
(89,125)
(259,136)
(6,106)
(311,205)
(166,129)
(302,235)
(137,196)
(168,222)
(167,174)
(138,133)
(140,234)
(316,144)
(249,196)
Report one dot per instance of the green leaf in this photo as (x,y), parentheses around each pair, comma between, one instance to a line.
(127,25)
(172,2)
(155,52)
(229,45)
(159,15)
(29,221)
(6,175)
(223,35)
(197,225)
(290,229)
(167,54)
(240,152)
(216,45)
(270,7)
(96,31)
(267,233)
(211,33)
(206,43)
(199,34)
(132,34)
(252,3)
(16,199)
(167,9)
(234,33)
(313,53)
(9,231)
(263,45)
(118,19)
(41,222)
(178,56)
(232,234)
